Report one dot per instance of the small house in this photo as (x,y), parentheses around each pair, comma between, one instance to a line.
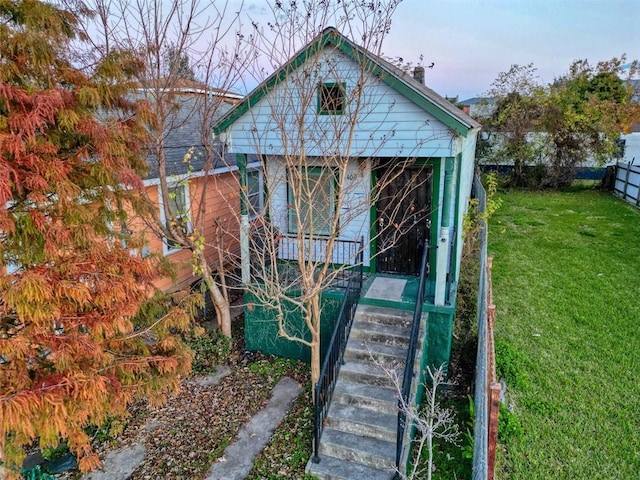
(193,179)
(361,165)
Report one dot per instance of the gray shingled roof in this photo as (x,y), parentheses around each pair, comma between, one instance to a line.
(476,100)
(432,95)
(184,131)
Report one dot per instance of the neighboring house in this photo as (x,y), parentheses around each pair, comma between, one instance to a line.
(630,145)
(402,127)
(478,107)
(185,168)
(626,182)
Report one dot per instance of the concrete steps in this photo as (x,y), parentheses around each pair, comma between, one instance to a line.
(359,437)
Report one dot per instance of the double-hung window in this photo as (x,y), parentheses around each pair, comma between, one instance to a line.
(315,208)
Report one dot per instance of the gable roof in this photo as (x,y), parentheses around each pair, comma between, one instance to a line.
(402,82)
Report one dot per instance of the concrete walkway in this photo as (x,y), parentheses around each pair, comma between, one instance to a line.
(238,458)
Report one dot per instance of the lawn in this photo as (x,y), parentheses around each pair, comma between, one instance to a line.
(567,289)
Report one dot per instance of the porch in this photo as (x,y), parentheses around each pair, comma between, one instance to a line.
(391,291)
(369,321)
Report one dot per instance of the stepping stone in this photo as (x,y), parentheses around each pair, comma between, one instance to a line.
(237,459)
(221,372)
(119,464)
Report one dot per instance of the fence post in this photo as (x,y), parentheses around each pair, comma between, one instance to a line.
(495,387)
(637,187)
(626,181)
(494,412)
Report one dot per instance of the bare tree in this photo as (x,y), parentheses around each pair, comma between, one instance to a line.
(179,42)
(319,183)
(431,420)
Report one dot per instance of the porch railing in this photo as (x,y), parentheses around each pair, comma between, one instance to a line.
(287,247)
(323,389)
(409,366)
(343,252)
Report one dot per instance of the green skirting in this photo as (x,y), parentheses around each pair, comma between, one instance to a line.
(261,327)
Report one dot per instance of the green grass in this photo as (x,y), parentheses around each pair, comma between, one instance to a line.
(567,289)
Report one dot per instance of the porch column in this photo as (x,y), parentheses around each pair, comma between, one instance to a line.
(241,160)
(444,239)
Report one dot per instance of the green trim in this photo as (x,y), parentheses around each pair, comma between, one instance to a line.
(421,101)
(435,219)
(273,80)
(241,160)
(331,37)
(342,86)
(448,186)
(426,307)
(265,187)
(433,240)
(373,224)
(456,219)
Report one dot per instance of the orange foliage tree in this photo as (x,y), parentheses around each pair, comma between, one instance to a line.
(81,331)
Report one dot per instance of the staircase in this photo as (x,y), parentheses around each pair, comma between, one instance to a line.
(359,437)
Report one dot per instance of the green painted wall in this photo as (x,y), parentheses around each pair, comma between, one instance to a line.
(261,327)
(438,340)
(439,334)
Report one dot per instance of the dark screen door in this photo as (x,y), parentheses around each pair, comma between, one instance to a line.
(403,218)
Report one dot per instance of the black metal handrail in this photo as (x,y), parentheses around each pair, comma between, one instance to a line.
(323,389)
(409,371)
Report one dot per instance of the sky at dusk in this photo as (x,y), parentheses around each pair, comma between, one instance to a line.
(471,41)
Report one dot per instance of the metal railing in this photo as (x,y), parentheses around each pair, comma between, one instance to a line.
(288,246)
(480,438)
(323,389)
(409,366)
(343,252)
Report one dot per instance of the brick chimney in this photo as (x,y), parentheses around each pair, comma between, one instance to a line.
(418,74)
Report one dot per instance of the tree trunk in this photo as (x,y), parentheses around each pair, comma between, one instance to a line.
(220,301)
(314,311)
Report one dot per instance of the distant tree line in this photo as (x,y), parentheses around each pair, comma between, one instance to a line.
(547,131)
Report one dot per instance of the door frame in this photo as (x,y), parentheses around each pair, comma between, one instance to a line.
(434,163)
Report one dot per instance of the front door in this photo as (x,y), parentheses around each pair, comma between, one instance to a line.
(403,218)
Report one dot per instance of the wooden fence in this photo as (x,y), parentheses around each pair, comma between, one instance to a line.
(627,184)
(488,389)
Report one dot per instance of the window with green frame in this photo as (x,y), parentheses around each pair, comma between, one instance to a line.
(255,193)
(331,98)
(317,184)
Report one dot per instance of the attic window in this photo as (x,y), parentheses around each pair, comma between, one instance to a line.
(331,98)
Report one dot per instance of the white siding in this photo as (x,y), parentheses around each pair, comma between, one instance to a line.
(389,125)
(354,214)
(631,147)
